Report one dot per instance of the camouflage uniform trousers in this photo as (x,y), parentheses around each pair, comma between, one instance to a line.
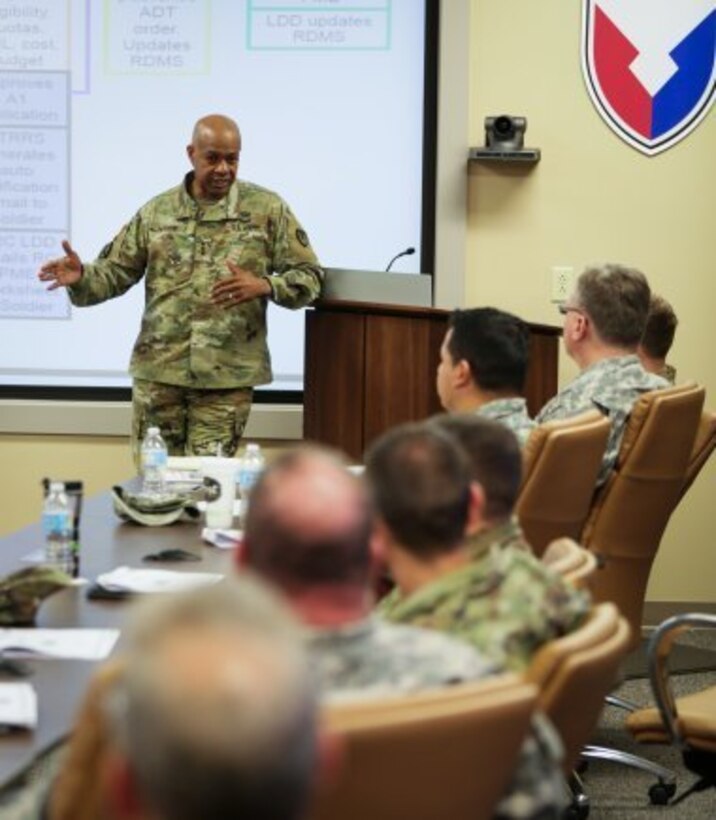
(191,421)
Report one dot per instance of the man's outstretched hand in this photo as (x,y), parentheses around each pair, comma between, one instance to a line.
(63,271)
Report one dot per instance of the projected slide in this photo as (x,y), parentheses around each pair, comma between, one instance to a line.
(97,103)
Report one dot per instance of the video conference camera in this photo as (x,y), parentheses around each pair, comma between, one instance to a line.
(505,132)
(504,139)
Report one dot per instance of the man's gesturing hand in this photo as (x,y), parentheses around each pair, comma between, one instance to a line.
(241,286)
(64,271)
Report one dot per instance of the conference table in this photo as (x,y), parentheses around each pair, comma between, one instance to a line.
(106,542)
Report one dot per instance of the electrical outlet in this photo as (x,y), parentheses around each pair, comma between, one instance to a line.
(562,282)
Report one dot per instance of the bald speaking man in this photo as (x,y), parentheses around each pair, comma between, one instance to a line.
(212,251)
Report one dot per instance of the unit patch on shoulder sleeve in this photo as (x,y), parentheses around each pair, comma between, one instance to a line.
(302,237)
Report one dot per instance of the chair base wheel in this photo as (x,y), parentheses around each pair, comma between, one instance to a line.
(578,810)
(661,793)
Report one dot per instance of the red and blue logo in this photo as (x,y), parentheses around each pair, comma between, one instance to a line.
(650,67)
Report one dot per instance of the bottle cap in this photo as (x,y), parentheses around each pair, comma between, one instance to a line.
(252,447)
(57,486)
(152,430)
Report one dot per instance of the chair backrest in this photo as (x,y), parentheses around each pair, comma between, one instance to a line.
(574,563)
(561,462)
(703,447)
(631,511)
(576,672)
(447,753)
(78,789)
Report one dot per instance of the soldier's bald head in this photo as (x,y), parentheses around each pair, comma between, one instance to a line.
(309,521)
(213,125)
(214,154)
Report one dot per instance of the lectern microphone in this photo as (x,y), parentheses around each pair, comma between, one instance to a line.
(406,252)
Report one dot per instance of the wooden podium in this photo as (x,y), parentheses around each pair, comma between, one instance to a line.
(369,367)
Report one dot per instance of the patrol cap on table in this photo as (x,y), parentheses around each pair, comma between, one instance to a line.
(164,509)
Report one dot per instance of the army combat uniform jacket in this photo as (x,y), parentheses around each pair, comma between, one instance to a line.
(511,413)
(506,604)
(611,386)
(373,658)
(180,247)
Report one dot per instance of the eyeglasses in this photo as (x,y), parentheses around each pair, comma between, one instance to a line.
(565,309)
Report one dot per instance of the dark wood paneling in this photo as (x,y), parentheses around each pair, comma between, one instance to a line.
(401,359)
(334,394)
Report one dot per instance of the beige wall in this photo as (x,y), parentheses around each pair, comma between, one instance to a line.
(592,198)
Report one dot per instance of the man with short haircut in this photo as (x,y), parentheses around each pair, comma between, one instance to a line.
(657,338)
(483,366)
(500,598)
(214,714)
(496,466)
(604,321)
(307,532)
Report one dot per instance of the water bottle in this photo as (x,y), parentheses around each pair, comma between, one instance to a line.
(250,469)
(57,528)
(154,463)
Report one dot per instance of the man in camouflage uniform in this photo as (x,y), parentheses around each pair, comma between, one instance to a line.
(657,338)
(495,458)
(212,251)
(500,598)
(307,531)
(604,321)
(483,365)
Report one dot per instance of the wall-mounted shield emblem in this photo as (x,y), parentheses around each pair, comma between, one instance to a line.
(650,67)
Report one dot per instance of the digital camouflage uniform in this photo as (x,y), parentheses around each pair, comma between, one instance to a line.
(506,603)
(611,386)
(376,659)
(507,534)
(180,246)
(668,372)
(511,413)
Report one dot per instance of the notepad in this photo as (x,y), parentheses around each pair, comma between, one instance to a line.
(18,706)
(127,579)
(77,644)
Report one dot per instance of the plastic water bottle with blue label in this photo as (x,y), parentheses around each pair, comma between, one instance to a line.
(154,457)
(250,468)
(57,528)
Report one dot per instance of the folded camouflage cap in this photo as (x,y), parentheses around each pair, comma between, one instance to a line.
(22,592)
(165,509)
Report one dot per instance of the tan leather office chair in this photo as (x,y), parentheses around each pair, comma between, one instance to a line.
(688,722)
(703,447)
(561,461)
(573,562)
(574,674)
(443,754)
(631,511)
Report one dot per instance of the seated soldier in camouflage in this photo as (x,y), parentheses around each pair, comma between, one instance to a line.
(496,466)
(307,532)
(483,366)
(657,338)
(503,600)
(604,321)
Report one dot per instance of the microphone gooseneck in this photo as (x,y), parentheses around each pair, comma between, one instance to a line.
(406,252)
